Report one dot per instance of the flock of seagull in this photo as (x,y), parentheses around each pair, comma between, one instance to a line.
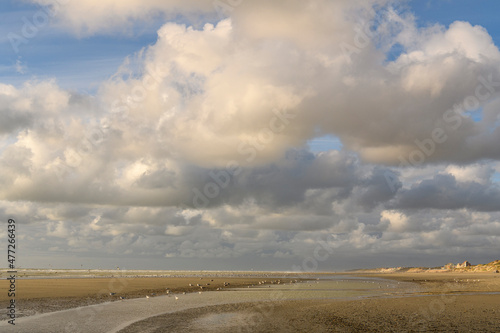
(227,284)
(202,287)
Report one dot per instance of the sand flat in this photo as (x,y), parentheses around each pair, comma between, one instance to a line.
(405,314)
(42,295)
(86,287)
(114,316)
(419,302)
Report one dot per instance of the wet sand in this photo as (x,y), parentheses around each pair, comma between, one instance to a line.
(115,316)
(442,302)
(447,302)
(440,282)
(44,295)
(409,314)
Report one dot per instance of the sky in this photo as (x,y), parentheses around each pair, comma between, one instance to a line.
(250,135)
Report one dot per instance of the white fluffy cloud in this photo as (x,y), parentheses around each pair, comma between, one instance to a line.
(219,114)
(226,83)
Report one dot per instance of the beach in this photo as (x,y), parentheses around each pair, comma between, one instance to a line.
(412,314)
(447,302)
(410,302)
(45,292)
(249,166)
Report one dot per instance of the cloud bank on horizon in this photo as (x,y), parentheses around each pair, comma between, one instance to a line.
(197,147)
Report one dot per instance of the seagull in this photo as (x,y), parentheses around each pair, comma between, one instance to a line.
(176,298)
(121,297)
(147,296)
(112,294)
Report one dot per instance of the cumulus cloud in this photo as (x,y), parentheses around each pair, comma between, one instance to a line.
(29,105)
(199,140)
(228,81)
(446,192)
(479,173)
